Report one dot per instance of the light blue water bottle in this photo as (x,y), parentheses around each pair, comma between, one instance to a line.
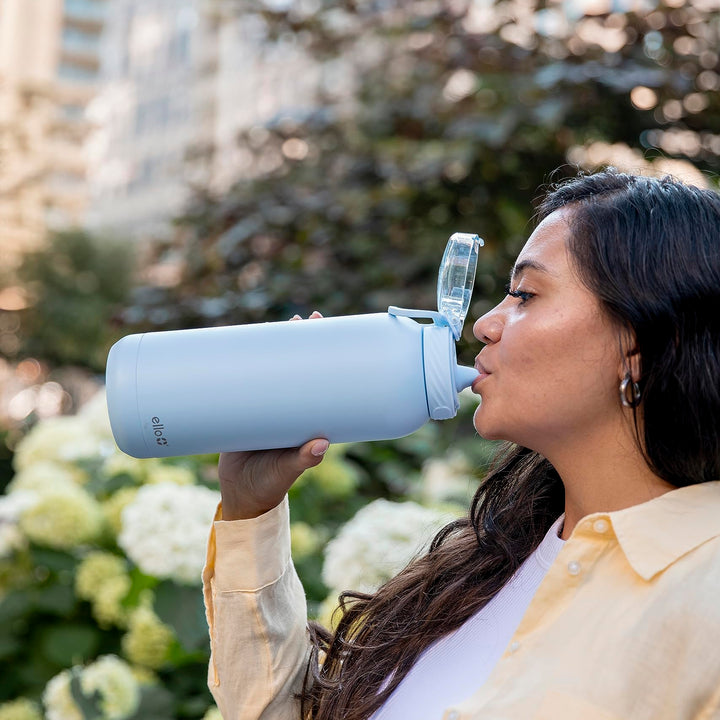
(274,385)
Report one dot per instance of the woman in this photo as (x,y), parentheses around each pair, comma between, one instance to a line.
(585,581)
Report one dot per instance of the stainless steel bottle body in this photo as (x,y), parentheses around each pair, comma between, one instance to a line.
(267,385)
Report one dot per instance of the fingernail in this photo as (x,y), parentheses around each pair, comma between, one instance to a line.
(320,448)
(296,317)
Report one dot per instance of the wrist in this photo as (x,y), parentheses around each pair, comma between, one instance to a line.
(244,508)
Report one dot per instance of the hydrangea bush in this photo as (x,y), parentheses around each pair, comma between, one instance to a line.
(101,555)
(378,542)
(100,558)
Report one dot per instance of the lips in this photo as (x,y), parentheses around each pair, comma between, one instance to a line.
(483,373)
(480,367)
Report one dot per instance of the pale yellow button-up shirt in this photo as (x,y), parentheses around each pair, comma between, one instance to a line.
(625,625)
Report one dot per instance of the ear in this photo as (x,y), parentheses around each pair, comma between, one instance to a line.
(630,359)
(633,364)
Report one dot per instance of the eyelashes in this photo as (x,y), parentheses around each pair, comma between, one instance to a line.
(520,294)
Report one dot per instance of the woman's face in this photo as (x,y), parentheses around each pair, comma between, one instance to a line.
(551,367)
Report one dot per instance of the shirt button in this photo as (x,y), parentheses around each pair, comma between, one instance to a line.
(600,526)
(453,715)
(574,567)
(514,645)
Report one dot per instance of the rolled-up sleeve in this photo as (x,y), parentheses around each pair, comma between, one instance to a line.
(257,616)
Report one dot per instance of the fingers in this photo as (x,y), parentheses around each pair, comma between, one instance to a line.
(318,447)
(314,316)
(311,454)
(252,483)
(296,462)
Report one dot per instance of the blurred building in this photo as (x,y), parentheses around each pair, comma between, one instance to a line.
(159,58)
(181,78)
(49,64)
(111,111)
(258,80)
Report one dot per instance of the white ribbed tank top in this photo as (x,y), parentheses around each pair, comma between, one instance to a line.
(455,666)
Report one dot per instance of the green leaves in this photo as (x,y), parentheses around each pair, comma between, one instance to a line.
(181,607)
(76,283)
(442,120)
(69,644)
(156,702)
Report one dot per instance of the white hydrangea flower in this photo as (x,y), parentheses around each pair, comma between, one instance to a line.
(95,413)
(13,505)
(148,639)
(62,517)
(113,679)
(58,700)
(11,508)
(112,507)
(165,528)
(163,473)
(379,542)
(95,570)
(20,709)
(45,475)
(11,539)
(109,676)
(118,463)
(64,439)
(448,478)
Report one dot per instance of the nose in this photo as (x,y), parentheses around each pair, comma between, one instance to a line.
(488,328)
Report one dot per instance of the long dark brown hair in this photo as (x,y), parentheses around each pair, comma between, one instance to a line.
(650,251)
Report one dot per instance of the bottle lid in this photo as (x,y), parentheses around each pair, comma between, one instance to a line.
(456,279)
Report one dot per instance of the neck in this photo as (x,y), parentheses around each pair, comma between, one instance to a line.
(603,473)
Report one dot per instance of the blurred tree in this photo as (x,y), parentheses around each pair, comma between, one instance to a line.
(434,117)
(75,284)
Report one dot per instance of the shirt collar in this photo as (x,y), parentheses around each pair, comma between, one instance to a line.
(654,534)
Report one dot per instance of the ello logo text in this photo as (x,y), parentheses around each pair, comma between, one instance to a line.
(158,430)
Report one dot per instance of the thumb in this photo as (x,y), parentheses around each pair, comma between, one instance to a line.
(308,455)
(313,452)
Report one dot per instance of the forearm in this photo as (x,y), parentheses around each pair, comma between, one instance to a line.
(257,617)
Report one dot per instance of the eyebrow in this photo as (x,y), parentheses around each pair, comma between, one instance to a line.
(523,265)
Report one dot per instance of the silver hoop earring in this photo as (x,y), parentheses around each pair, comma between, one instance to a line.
(632,398)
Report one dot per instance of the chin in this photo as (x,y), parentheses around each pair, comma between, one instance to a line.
(485,429)
(488,435)
(489,430)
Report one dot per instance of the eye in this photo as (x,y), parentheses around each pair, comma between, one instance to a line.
(521,294)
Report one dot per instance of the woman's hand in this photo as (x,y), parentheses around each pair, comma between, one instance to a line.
(253,482)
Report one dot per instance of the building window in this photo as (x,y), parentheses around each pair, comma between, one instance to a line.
(76,73)
(152,116)
(179,49)
(75,40)
(85,9)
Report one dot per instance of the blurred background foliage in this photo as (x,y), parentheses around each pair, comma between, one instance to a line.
(75,285)
(438,116)
(457,113)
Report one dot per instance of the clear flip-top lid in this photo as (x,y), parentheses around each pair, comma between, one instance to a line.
(456,279)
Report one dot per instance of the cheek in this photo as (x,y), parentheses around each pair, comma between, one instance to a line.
(531,359)
(566,357)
